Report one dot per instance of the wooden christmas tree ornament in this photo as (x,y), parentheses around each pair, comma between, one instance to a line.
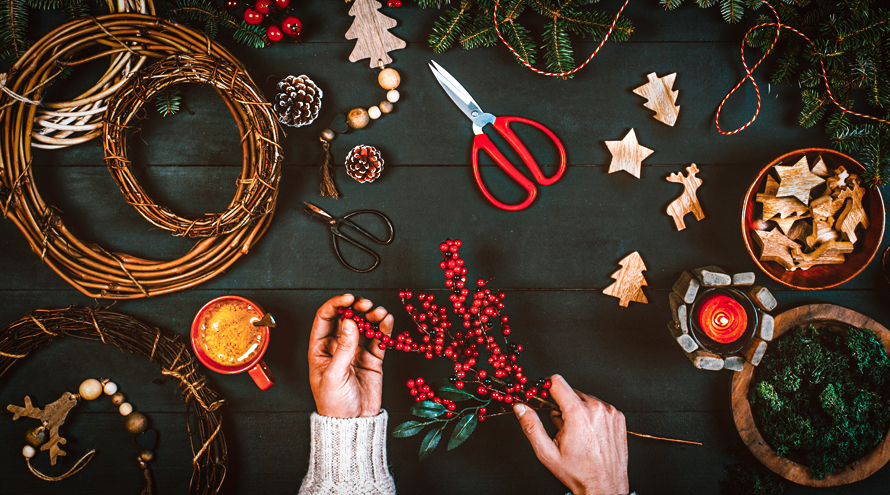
(797,181)
(688,201)
(371,30)
(661,97)
(629,281)
(627,154)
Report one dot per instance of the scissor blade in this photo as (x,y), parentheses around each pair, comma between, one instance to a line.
(457,93)
(317,212)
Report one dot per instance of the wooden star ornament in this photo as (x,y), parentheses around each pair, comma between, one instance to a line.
(628,155)
(776,247)
(797,180)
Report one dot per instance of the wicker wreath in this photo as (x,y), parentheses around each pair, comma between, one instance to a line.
(91,269)
(255,196)
(41,327)
(65,123)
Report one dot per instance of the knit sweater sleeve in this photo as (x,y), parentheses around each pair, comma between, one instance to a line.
(348,456)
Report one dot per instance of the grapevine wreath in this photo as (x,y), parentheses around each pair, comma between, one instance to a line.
(41,327)
(90,268)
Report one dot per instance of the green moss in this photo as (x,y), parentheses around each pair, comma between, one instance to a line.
(822,398)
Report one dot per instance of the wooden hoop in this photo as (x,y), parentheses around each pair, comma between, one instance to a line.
(43,326)
(257,185)
(91,269)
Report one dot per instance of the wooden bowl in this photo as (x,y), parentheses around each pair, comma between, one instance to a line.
(822,276)
(824,314)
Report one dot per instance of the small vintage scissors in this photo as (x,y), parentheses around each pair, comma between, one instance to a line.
(335,224)
(481,142)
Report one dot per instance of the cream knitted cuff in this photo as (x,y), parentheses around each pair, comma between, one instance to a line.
(348,456)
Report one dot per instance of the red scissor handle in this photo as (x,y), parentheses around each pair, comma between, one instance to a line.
(483,143)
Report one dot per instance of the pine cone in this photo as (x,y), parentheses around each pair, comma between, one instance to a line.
(298,101)
(364,163)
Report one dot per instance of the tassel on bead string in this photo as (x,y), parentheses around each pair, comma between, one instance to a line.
(149,483)
(327,188)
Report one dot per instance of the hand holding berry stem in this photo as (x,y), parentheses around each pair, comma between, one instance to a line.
(346,367)
(589,452)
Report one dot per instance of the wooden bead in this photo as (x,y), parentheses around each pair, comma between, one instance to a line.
(357,118)
(118,399)
(125,409)
(146,456)
(328,135)
(392,96)
(385,106)
(374,113)
(110,388)
(28,451)
(90,389)
(136,423)
(36,436)
(389,79)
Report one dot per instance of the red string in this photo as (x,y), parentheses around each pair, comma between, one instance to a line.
(750,76)
(555,74)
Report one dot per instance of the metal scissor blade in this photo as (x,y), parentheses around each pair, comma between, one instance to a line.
(459,95)
(317,212)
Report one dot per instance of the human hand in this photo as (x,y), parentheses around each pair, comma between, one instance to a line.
(589,453)
(346,368)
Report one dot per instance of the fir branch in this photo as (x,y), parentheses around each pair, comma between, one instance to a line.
(670,4)
(207,14)
(732,10)
(168,101)
(13,25)
(447,28)
(814,104)
(557,47)
(252,36)
(863,28)
(519,37)
(481,33)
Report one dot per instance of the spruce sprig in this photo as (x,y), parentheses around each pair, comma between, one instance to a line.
(168,101)
(211,18)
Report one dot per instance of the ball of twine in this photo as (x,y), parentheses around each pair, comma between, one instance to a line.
(43,327)
(90,268)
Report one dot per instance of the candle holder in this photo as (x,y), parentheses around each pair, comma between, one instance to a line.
(720,320)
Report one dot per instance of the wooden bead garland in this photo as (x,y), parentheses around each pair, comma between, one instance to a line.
(53,416)
(357,118)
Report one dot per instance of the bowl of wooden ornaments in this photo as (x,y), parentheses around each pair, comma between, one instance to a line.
(809,222)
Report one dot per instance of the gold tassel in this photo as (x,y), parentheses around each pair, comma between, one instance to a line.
(149,484)
(327,188)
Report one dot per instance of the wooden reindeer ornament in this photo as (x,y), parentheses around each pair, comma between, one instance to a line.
(52,416)
(853,215)
(688,201)
(371,30)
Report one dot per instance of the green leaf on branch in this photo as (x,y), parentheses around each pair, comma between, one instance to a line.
(427,409)
(454,394)
(430,441)
(462,431)
(408,428)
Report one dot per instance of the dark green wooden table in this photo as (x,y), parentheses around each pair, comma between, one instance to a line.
(552,259)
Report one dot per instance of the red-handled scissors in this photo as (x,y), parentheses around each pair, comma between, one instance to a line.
(481,142)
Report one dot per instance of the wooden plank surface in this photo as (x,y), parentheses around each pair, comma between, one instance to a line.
(553,259)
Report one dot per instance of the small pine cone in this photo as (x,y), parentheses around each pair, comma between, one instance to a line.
(364,163)
(298,101)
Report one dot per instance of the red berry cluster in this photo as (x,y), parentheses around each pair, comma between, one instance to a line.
(421,392)
(394,3)
(262,11)
(479,312)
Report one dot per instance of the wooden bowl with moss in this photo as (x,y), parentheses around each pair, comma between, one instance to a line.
(832,322)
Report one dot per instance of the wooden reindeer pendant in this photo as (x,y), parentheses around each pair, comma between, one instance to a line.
(371,30)
(853,214)
(688,201)
(52,416)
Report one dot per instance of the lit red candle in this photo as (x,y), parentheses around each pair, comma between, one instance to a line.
(722,318)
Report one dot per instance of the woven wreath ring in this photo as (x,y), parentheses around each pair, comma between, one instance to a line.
(90,268)
(257,184)
(65,123)
(208,444)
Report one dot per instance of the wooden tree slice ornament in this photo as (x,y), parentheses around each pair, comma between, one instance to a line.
(662,98)
(371,30)
(688,201)
(629,281)
(627,154)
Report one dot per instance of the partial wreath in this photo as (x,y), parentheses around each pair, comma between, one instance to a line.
(90,268)
(203,418)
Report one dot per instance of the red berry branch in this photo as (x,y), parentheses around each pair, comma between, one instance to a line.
(479,334)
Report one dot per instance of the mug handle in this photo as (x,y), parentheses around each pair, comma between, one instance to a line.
(262,375)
